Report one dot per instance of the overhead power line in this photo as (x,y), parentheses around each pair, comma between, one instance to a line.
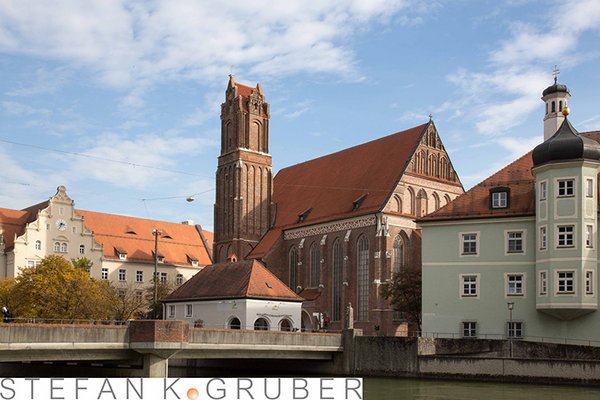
(129,163)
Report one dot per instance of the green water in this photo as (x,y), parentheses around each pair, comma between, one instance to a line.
(412,389)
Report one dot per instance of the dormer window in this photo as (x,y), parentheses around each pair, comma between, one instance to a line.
(192,260)
(499,198)
(121,253)
(303,216)
(358,202)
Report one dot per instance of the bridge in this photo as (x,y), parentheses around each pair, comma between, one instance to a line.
(153,343)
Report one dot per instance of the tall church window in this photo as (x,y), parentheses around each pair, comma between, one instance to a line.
(293,260)
(338,260)
(436,201)
(398,261)
(315,267)
(363,278)
(411,201)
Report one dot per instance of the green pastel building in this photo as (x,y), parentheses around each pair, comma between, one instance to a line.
(517,255)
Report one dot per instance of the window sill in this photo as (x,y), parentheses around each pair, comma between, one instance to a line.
(565,247)
(469,254)
(469,296)
(515,251)
(559,293)
(565,196)
(515,294)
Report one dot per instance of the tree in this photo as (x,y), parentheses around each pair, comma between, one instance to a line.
(404,293)
(83,263)
(7,298)
(156,309)
(130,302)
(56,289)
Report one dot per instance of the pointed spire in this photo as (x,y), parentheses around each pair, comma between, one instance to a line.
(259,88)
(231,81)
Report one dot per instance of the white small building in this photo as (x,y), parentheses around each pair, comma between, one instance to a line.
(236,295)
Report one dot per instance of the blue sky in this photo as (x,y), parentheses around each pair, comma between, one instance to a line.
(119,101)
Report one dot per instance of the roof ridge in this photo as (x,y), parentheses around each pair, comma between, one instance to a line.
(136,218)
(347,149)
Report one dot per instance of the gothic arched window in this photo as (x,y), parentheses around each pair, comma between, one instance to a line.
(315,265)
(338,262)
(362,278)
(398,261)
(293,264)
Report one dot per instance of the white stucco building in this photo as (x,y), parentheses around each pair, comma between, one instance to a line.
(236,295)
(121,248)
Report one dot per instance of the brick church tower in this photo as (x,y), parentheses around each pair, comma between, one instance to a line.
(244,174)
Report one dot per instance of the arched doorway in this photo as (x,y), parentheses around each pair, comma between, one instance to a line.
(261,324)
(234,323)
(285,325)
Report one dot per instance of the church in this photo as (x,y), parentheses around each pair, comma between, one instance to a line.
(335,228)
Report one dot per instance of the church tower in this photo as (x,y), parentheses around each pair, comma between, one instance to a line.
(555,98)
(244,174)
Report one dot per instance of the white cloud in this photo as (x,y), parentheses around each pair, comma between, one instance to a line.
(131,158)
(15,108)
(135,45)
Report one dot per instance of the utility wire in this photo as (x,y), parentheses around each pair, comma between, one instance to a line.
(129,163)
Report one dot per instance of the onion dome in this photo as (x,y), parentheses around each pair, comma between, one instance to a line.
(557,87)
(566,144)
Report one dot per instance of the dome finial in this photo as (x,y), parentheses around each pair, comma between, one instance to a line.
(566,111)
(555,73)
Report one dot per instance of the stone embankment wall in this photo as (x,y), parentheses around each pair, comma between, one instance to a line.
(470,358)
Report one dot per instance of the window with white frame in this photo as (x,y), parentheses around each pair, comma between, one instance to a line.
(589,187)
(122,275)
(469,285)
(515,242)
(543,283)
(566,282)
(514,284)
(122,256)
(63,247)
(33,263)
(515,329)
(160,259)
(566,187)
(139,296)
(565,236)
(57,247)
(469,329)
(543,190)
(104,274)
(81,249)
(543,238)
(589,282)
(589,236)
(499,199)
(139,276)
(188,310)
(179,279)
(163,277)
(38,244)
(171,311)
(469,243)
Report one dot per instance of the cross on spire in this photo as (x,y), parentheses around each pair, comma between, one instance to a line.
(555,73)
(231,70)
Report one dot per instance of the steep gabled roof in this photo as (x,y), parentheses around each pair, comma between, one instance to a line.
(134,237)
(332,187)
(475,203)
(247,279)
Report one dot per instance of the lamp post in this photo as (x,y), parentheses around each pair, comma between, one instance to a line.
(155,233)
(510,305)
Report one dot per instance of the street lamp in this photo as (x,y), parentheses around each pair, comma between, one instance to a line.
(510,305)
(155,233)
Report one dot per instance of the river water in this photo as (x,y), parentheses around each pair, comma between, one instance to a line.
(413,389)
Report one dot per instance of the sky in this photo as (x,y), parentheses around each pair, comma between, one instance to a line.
(120,100)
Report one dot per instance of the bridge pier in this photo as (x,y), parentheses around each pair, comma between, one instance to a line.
(155,366)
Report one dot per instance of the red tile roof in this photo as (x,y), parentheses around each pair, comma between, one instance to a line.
(111,231)
(13,222)
(247,279)
(329,185)
(475,203)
